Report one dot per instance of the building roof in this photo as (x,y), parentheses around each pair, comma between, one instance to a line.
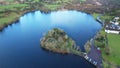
(113,27)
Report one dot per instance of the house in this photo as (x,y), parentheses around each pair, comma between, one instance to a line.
(113,27)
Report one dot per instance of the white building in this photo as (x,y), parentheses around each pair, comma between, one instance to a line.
(112,31)
(113,27)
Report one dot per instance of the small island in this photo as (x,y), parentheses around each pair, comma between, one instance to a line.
(56,40)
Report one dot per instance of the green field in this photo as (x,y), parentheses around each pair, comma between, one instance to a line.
(12,7)
(9,18)
(52,7)
(114,44)
(10,13)
(110,52)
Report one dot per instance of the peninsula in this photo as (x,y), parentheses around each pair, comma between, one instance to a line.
(56,40)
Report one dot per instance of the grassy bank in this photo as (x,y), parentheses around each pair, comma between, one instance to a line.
(10,13)
(110,51)
(114,45)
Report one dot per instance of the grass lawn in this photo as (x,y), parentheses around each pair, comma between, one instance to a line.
(113,59)
(114,44)
(12,7)
(52,7)
(9,18)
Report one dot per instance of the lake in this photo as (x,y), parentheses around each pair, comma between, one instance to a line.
(20,42)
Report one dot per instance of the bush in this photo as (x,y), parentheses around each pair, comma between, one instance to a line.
(107,50)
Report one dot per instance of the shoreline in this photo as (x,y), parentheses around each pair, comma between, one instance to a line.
(2,26)
(44,9)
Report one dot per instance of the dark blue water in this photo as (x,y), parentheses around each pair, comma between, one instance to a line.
(20,43)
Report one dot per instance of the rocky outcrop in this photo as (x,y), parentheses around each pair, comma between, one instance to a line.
(56,40)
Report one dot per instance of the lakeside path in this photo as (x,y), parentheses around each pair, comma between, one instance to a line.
(95,56)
